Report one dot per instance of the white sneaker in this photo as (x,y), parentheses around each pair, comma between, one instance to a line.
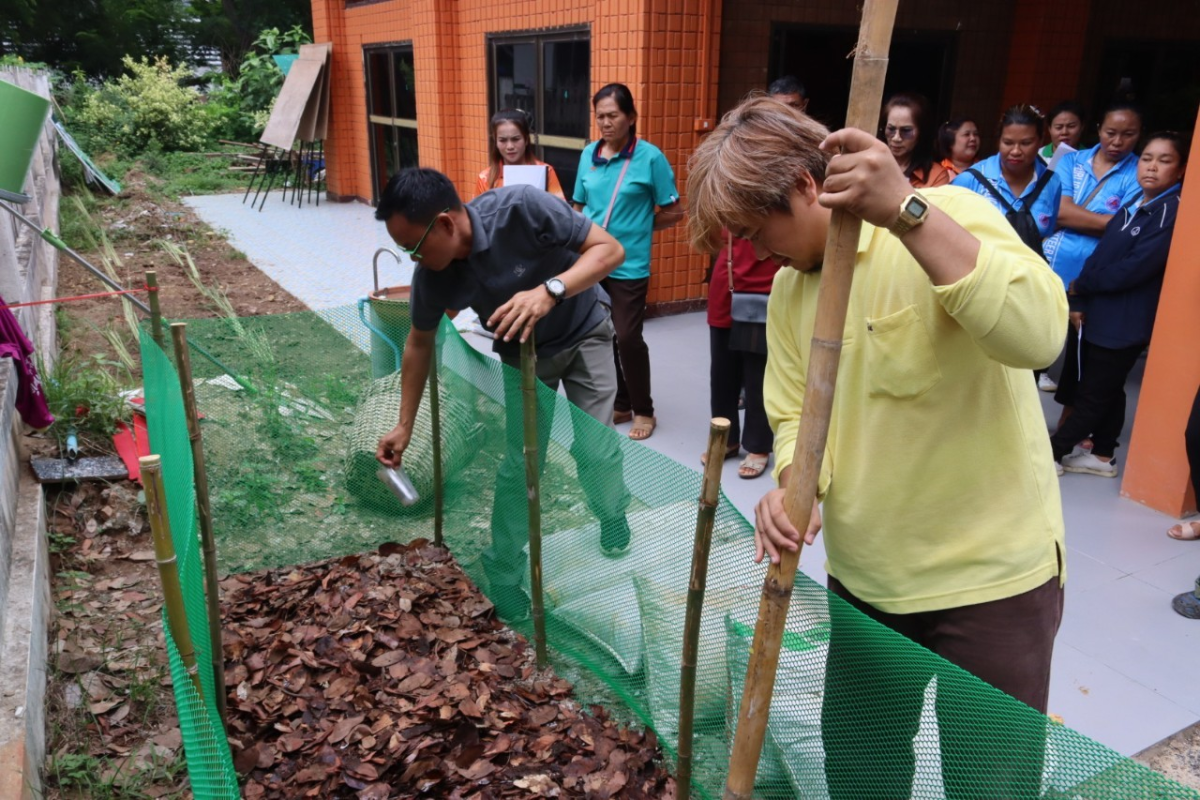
(1046,383)
(1058,468)
(1090,464)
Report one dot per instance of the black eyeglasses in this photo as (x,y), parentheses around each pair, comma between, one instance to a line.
(413,254)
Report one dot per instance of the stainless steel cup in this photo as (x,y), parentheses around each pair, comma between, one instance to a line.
(397,480)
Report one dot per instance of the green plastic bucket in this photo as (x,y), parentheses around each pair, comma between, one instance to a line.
(24,114)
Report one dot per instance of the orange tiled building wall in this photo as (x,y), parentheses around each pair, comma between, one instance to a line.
(632,41)
(689,60)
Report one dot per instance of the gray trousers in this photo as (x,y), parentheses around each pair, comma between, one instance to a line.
(587,373)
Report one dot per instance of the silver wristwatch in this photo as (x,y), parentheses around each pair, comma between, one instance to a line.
(557,290)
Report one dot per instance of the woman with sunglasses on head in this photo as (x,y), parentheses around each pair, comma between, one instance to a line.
(509,144)
(1066,127)
(906,130)
(1096,184)
(1116,296)
(626,186)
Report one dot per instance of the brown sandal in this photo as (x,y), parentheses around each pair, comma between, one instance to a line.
(621,417)
(642,428)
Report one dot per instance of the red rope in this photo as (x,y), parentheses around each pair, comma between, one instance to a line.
(81,297)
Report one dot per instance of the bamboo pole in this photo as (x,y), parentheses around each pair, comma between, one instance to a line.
(204,512)
(168,572)
(533,492)
(435,415)
(156,328)
(866,90)
(710,494)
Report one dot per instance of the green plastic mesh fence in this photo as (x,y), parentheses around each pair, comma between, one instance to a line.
(293,406)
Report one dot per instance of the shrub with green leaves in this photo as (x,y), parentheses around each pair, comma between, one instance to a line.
(242,105)
(148,105)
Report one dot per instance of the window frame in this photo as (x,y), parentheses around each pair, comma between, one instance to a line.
(539,37)
(389,49)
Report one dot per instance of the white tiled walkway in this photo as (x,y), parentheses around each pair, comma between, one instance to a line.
(1125,663)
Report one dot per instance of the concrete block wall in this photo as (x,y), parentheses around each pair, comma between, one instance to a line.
(28,271)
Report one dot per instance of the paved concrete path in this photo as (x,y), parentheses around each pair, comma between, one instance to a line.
(1124,665)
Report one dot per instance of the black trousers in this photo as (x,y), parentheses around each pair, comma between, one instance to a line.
(872,705)
(629,348)
(731,371)
(1099,400)
(1191,439)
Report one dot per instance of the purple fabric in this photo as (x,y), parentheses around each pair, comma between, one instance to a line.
(31,399)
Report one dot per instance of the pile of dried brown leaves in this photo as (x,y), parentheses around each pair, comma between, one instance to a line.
(387,675)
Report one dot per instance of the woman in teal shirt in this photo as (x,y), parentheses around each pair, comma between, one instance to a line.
(626,186)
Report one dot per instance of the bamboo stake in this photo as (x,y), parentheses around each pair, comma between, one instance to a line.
(156,329)
(204,512)
(533,492)
(168,572)
(435,415)
(710,494)
(866,90)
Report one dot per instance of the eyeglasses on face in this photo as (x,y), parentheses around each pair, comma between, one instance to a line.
(413,254)
(905,132)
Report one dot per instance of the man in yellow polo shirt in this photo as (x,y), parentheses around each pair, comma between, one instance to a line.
(941,505)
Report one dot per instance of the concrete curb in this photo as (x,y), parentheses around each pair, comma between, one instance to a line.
(23,663)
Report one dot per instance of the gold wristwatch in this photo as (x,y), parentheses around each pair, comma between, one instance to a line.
(914,209)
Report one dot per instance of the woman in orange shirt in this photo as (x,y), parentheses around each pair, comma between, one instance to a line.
(510,145)
(958,144)
(906,130)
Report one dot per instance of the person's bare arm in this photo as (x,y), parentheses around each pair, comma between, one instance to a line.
(863,178)
(1080,220)
(414,371)
(599,255)
(668,216)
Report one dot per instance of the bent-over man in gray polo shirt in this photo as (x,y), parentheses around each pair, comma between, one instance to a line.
(525,263)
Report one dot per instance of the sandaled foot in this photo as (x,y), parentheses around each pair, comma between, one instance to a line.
(621,417)
(753,465)
(730,452)
(1185,531)
(642,428)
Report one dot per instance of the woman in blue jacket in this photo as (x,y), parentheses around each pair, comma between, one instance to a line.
(1114,301)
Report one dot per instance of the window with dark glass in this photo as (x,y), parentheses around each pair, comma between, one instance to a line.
(391,111)
(547,75)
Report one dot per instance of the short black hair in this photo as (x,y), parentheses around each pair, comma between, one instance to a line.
(787,84)
(948,132)
(417,194)
(1067,107)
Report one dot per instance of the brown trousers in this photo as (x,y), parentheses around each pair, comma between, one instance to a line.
(629,348)
(991,747)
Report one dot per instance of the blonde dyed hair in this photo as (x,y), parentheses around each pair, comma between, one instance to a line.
(749,166)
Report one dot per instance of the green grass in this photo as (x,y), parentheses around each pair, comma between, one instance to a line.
(183,174)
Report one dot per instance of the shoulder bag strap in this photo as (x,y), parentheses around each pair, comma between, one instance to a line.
(729,259)
(986,184)
(613,200)
(1042,180)
(1096,190)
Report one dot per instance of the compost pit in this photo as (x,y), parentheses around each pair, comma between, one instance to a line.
(387,675)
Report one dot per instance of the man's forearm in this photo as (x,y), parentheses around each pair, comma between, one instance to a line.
(599,256)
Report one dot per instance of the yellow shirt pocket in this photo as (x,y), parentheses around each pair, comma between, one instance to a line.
(899,355)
